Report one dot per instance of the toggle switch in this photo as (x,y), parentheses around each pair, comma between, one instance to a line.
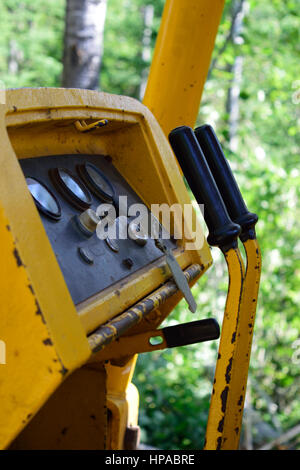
(137,233)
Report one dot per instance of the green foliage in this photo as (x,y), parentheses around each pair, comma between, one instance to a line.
(175,385)
(31,42)
(123,65)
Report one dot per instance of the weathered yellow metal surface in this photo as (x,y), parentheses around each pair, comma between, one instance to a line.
(122,402)
(33,367)
(239,372)
(114,300)
(38,322)
(227,402)
(181,60)
(222,388)
(44,335)
(126,346)
(50,115)
(122,323)
(74,417)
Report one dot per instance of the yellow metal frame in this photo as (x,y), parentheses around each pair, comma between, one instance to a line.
(181,60)
(45,334)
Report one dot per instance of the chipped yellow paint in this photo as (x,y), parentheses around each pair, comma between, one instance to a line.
(122,323)
(74,417)
(38,321)
(137,146)
(122,402)
(239,372)
(33,368)
(124,294)
(41,122)
(222,387)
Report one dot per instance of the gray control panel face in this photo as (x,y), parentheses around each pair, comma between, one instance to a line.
(88,263)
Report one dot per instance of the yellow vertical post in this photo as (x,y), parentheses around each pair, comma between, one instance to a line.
(181,60)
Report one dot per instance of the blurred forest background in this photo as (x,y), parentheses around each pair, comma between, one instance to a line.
(252,97)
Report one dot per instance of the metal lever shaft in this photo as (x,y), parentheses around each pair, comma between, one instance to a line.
(238,211)
(223,233)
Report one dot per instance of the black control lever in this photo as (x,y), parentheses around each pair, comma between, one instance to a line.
(222,231)
(225,181)
(191,333)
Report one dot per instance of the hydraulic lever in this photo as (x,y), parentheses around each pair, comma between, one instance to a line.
(239,213)
(222,233)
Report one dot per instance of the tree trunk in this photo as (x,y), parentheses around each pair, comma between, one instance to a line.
(83,43)
(15,57)
(148,15)
(239,11)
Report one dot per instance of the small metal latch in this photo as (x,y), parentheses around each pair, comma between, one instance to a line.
(83,127)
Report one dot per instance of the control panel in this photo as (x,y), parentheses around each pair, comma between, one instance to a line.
(68,191)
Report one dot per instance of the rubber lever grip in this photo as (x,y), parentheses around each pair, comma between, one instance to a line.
(225,180)
(191,333)
(222,231)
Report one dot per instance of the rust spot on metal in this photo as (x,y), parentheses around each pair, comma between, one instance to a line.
(117,292)
(224,396)
(219,443)
(48,342)
(240,400)
(30,288)
(93,417)
(118,326)
(8,228)
(221,425)
(18,258)
(63,370)
(233,337)
(219,356)
(250,325)
(64,431)
(38,311)
(236,430)
(228,371)
(15,108)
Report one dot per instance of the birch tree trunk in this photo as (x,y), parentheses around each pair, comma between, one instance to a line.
(148,15)
(239,10)
(83,43)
